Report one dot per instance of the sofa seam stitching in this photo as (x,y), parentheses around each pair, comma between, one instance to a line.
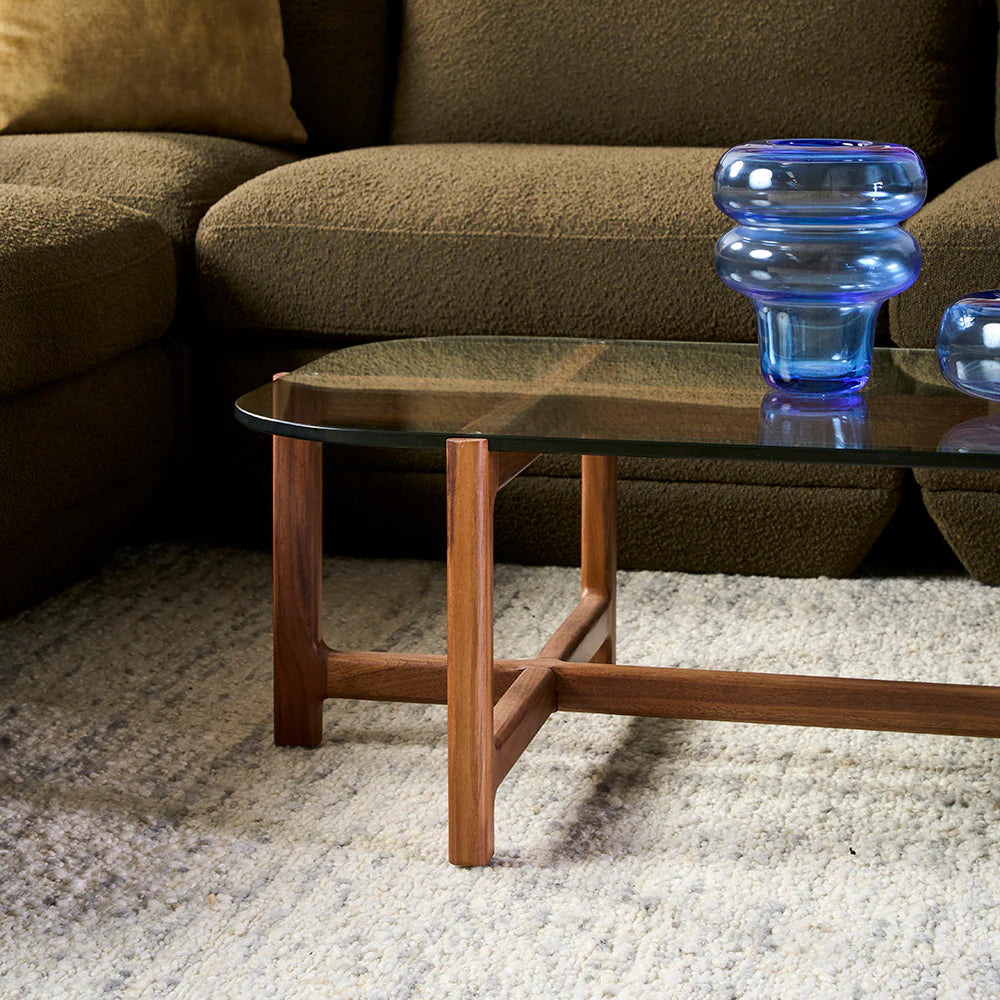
(450,232)
(126,196)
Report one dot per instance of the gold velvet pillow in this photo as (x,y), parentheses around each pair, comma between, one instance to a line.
(212,66)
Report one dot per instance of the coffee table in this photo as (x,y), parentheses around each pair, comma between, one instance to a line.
(493,404)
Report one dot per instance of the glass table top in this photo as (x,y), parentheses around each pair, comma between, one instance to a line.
(619,397)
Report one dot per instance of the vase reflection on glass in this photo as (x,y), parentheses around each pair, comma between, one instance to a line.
(818,249)
(797,421)
(981,434)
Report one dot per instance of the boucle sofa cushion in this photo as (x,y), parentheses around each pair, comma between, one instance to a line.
(215,66)
(965,505)
(82,458)
(693,73)
(82,280)
(172,176)
(703,527)
(969,519)
(470,238)
(958,232)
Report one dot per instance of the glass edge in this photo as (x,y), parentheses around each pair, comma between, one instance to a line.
(427,440)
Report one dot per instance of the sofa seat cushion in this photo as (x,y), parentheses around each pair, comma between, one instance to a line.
(82,280)
(82,459)
(468,238)
(958,232)
(965,505)
(172,176)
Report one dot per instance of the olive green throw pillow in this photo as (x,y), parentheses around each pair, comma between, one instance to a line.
(210,66)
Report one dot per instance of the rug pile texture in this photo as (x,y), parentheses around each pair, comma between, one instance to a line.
(154,842)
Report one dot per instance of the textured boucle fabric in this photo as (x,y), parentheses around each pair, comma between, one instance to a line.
(174,177)
(476,238)
(342,60)
(81,458)
(965,505)
(959,479)
(81,280)
(699,527)
(958,232)
(708,527)
(969,519)
(695,73)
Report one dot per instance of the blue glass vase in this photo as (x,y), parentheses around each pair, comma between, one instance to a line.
(968,344)
(818,249)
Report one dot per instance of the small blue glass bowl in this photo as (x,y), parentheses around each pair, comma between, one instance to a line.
(968,344)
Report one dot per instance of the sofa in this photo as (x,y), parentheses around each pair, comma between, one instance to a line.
(450,167)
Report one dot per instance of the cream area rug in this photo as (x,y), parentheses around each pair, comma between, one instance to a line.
(154,842)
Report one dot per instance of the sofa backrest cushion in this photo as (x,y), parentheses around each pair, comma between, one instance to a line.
(690,72)
(341,54)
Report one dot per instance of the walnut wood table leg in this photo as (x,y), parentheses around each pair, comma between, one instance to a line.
(299,653)
(599,541)
(472,478)
(576,670)
(588,633)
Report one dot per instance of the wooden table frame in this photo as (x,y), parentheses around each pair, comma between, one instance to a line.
(495,707)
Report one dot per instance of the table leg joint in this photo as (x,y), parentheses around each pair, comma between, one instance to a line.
(583,632)
(518,716)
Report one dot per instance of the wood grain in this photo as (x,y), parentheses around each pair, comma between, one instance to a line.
(420,678)
(471,479)
(599,543)
(780,699)
(709,694)
(299,653)
(518,716)
(583,634)
(509,464)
